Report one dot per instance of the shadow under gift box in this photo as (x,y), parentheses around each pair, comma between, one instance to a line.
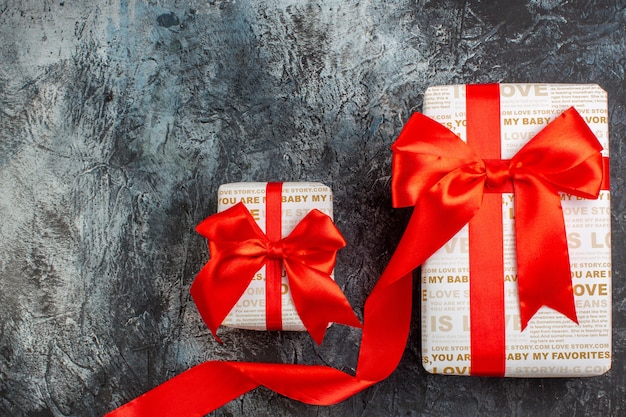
(552,345)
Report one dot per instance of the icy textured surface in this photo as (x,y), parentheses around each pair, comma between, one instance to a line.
(119,119)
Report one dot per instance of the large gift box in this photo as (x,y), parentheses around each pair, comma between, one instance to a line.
(479,316)
(273,248)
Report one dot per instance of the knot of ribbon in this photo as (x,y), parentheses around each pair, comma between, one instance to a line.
(499,176)
(435,171)
(239,249)
(275,250)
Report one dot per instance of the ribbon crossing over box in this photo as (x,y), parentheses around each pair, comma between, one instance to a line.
(273,250)
(298,199)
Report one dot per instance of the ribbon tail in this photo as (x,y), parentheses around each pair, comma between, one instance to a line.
(540,234)
(318,299)
(310,384)
(438,216)
(386,325)
(212,384)
(435,220)
(193,393)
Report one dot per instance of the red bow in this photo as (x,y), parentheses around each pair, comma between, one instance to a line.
(436,171)
(239,248)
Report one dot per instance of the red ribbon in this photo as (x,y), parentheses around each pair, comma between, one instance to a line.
(444,179)
(433,167)
(387,317)
(239,249)
(486,240)
(273,263)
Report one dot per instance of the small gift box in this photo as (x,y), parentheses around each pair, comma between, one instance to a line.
(273,249)
(523,289)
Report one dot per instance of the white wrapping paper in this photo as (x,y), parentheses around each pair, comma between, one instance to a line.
(298,198)
(552,345)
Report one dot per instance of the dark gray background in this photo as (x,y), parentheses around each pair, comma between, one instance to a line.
(119,120)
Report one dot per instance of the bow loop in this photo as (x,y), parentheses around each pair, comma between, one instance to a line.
(239,248)
(435,168)
(315,242)
(233,225)
(424,153)
(565,154)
